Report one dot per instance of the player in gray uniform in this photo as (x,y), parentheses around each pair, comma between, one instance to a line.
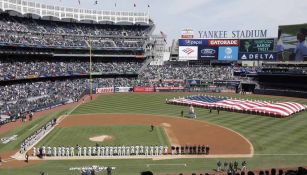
(146,150)
(54,151)
(72,151)
(151,150)
(84,151)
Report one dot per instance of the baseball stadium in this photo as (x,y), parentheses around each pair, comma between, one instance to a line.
(86,92)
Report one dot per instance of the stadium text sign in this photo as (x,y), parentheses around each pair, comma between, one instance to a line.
(258,56)
(235,34)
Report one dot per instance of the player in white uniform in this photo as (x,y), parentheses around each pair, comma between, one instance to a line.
(94,151)
(79,151)
(107,151)
(59,151)
(72,151)
(142,150)
(137,149)
(146,150)
(132,150)
(119,151)
(84,151)
(123,150)
(151,150)
(63,151)
(44,151)
(98,151)
(103,151)
(156,150)
(111,150)
(128,150)
(67,151)
(89,151)
(161,150)
(54,151)
(34,151)
(49,151)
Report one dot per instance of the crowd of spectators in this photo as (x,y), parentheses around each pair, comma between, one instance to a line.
(52,34)
(30,68)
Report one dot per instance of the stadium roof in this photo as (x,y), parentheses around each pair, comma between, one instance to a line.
(57,13)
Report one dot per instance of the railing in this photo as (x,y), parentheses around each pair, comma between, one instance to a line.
(42,10)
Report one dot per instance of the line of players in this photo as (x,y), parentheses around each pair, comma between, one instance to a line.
(100,151)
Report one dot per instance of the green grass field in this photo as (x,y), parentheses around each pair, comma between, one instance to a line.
(277,142)
(122,135)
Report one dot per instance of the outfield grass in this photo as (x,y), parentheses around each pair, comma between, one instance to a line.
(122,135)
(277,142)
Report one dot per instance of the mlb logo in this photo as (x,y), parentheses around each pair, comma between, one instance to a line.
(228,53)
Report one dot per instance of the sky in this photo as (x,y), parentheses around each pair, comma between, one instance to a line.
(171,16)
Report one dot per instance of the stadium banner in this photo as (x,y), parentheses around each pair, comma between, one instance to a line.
(188,53)
(207,53)
(143,89)
(194,82)
(193,42)
(167,80)
(228,53)
(170,88)
(268,56)
(123,89)
(104,90)
(257,45)
(224,42)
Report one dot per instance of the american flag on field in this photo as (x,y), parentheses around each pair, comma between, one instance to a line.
(281,109)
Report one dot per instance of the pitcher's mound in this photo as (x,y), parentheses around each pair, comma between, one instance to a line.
(101,138)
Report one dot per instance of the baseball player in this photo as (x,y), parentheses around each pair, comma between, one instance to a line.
(146,150)
(161,150)
(59,151)
(89,151)
(67,151)
(115,150)
(132,152)
(84,151)
(72,151)
(98,151)
(44,151)
(63,151)
(123,150)
(142,150)
(151,150)
(94,151)
(137,150)
(49,151)
(119,151)
(156,150)
(103,151)
(79,151)
(128,151)
(107,151)
(34,151)
(54,151)
(111,150)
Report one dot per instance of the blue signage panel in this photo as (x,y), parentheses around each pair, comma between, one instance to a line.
(207,53)
(228,53)
(193,42)
(267,56)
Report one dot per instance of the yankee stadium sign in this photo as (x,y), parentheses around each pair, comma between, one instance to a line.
(235,34)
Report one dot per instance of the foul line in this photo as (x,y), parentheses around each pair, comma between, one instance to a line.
(182,164)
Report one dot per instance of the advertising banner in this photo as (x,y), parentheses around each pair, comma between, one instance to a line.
(207,53)
(170,88)
(143,89)
(257,45)
(224,42)
(104,90)
(194,82)
(228,53)
(123,89)
(193,42)
(188,52)
(268,56)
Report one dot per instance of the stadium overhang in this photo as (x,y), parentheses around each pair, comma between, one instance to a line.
(36,10)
